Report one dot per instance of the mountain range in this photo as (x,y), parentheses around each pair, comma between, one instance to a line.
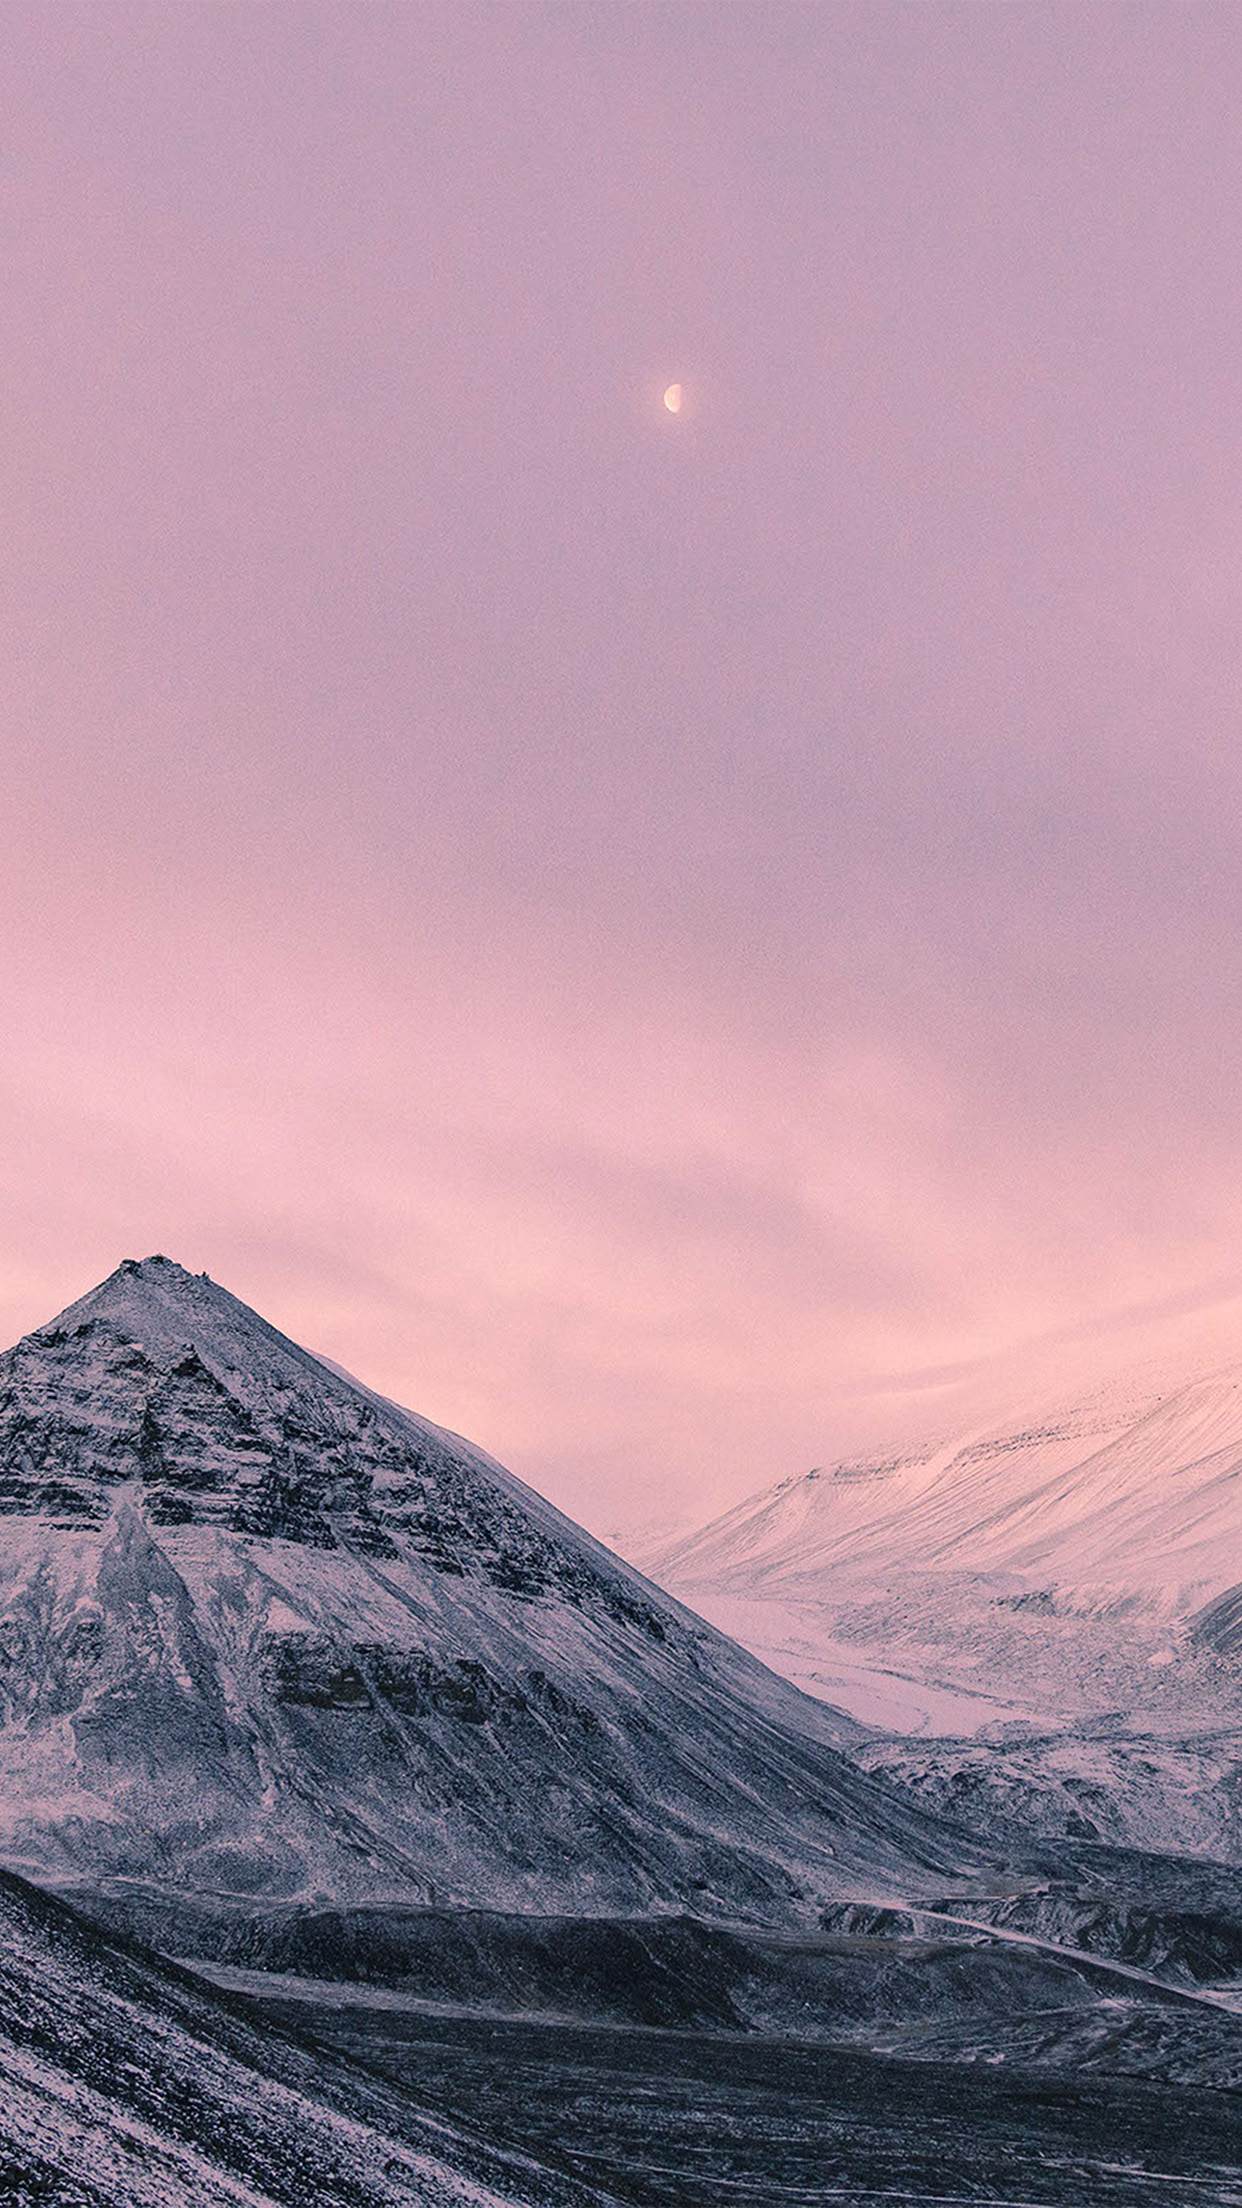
(372,1834)
(1040,1610)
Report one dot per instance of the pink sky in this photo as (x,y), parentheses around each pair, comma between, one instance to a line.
(631,932)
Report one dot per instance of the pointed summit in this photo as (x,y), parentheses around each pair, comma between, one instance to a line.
(159,1303)
(159,1375)
(163,1376)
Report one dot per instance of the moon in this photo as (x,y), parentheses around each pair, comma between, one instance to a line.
(672,398)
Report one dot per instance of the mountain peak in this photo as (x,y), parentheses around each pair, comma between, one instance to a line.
(154,1305)
(264,1631)
(141,1288)
(157,1272)
(163,1374)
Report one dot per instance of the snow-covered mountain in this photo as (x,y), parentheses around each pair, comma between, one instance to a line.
(263,1633)
(1122,1489)
(1071,1561)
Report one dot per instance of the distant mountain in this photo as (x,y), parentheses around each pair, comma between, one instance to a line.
(264,1634)
(1069,1563)
(1108,1492)
(123,2084)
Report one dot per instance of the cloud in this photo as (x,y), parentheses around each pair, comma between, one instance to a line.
(633,944)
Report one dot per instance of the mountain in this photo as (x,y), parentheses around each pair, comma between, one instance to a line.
(263,1634)
(1076,1561)
(1107,1492)
(125,2085)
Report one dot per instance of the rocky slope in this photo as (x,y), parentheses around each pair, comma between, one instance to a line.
(123,2084)
(263,1633)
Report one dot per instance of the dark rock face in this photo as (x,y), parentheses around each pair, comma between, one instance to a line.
(85,1409)
(1218,1625)
(260,1631)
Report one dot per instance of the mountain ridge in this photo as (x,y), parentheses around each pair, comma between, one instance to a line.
(986,1498)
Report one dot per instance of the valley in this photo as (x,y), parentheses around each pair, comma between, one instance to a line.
(685,2120)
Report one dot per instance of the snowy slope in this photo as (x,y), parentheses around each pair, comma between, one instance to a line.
(1106,1493)
(1023,1568)
(262,1632)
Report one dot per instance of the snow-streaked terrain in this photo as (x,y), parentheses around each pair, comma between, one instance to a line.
(1124,1490)
(122,2082)
(261,1632)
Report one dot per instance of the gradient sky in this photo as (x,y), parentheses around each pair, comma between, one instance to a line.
(633,933)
